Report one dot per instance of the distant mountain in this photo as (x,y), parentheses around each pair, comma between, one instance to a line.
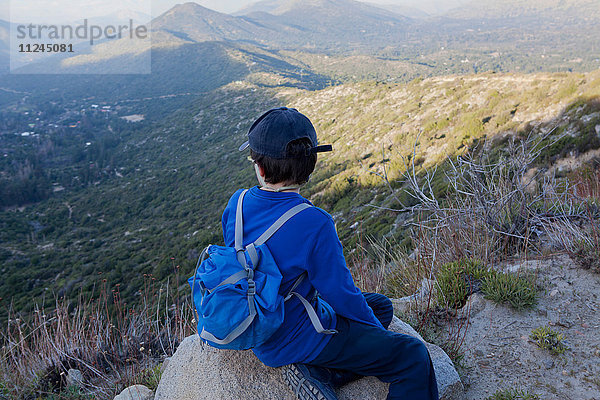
(330,24)
(122,17)
(193,22)
(280,6)
(193,50)
(429,7)
(4,46)
(406,11)
(274,40)
(267,6)
(314,24)
(178,67)
(495,9)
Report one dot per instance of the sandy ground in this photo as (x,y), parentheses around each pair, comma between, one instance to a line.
(500,355)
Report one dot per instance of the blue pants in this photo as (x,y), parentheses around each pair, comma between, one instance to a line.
(364,350)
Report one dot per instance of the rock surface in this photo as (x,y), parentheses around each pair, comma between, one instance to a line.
(135,392)
(198,371)
(74,378)
(498,351)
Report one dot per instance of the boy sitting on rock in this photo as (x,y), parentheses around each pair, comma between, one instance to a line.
(355,341)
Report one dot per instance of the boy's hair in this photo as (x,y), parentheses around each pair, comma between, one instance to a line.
(295,169)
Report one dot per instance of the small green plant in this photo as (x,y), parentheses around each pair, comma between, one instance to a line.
(513,394)
(518,291)
(458,280)
(549,339)
(150,377)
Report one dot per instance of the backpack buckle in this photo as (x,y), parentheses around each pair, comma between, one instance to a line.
(251,287)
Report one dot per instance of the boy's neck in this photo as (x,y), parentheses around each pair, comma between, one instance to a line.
(280,187)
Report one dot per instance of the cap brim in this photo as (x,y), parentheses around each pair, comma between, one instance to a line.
(244,146)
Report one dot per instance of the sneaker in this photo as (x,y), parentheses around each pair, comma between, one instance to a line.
(307,386)
(339,378)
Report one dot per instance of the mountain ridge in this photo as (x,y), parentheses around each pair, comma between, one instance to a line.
(465,42)
(493,9)
(201,24)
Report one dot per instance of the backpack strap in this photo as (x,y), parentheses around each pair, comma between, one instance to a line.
(251,248)
(312,314)
(314,319)
(239,231)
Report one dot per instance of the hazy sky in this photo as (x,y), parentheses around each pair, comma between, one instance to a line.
(69,10)
(57,11)
(228,6)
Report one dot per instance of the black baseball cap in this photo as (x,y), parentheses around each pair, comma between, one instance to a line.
(270,134)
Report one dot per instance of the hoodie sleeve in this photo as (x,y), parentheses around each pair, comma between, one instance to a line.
(328,273)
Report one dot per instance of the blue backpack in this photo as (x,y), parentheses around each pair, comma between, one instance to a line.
(236,290)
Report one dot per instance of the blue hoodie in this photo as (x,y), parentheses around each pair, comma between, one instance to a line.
(307,242)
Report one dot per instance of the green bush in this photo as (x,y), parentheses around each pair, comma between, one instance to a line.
(458,280)
(509,288)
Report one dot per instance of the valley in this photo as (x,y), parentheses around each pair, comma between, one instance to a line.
(112,184)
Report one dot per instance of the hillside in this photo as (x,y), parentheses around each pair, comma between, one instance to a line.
(179,67)
(167,196)
(368,123)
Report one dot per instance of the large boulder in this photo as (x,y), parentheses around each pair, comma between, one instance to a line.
(197,371)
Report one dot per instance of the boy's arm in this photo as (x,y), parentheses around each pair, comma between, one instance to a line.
(328,273)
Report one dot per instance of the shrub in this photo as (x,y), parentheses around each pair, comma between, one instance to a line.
(509,288)
(456,281)
(150,377)
(578,234)
(492,209)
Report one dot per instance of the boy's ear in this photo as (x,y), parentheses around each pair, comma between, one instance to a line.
(261,170)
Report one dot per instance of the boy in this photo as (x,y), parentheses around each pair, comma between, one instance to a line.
(283,147)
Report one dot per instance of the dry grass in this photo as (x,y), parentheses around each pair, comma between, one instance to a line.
(382,266)
(578,234)
(112,344)
(586,181)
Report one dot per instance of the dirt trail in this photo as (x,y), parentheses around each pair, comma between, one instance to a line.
(500,355)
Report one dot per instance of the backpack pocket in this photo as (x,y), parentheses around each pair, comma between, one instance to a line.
(224,306)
